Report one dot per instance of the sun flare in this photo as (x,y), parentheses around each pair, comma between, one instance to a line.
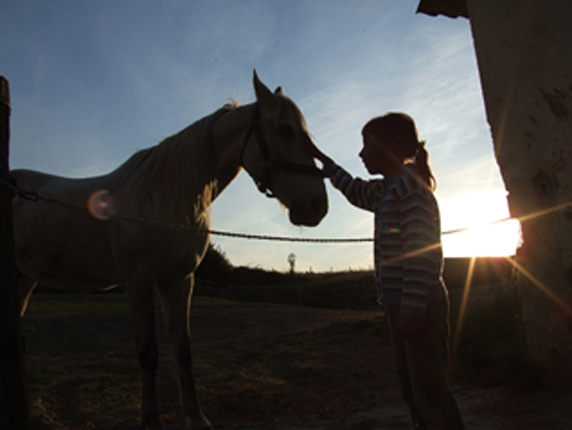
(479,225)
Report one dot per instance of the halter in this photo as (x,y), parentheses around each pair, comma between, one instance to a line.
(270,164)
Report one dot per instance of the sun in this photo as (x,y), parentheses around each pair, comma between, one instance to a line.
(472,226)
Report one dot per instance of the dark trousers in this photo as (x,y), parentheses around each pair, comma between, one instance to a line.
(422,369)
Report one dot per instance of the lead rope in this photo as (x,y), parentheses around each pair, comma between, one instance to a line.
(33,196)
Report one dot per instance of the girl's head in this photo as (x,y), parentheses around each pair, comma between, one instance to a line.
(391,140)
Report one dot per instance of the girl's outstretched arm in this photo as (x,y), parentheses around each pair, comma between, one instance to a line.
(361,193)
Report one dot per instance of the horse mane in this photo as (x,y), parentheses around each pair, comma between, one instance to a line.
(177,170)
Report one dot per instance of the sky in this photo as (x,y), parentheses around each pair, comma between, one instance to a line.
(92,82)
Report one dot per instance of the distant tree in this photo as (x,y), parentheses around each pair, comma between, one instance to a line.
(292,261)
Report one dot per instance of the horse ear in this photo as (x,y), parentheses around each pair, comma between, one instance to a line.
(278,91)
(263,94)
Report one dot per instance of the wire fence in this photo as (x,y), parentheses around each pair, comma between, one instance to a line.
(34,196)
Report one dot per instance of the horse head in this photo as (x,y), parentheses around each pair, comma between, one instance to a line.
(274,156)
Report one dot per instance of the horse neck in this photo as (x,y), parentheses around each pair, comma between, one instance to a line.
(180,177)
(228,142)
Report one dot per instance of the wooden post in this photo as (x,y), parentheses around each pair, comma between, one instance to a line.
(13,399)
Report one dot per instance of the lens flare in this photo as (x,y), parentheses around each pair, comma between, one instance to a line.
(462,312)
(100,205)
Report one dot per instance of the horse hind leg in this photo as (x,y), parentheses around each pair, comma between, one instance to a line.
(176,308)
(141,304)
(25,289)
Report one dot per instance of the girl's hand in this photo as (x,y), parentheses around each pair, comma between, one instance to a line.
(311,148)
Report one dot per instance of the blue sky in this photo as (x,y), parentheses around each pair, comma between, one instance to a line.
(94,81)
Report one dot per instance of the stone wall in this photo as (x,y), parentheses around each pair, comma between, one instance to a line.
(525,63)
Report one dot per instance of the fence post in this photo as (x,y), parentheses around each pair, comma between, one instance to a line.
(13,399)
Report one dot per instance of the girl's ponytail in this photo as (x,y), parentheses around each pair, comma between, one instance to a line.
(422,165)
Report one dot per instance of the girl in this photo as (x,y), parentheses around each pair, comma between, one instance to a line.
(408,261)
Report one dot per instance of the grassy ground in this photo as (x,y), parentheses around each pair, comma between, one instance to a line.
(258,366)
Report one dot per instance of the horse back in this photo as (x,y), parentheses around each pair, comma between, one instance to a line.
(58,243)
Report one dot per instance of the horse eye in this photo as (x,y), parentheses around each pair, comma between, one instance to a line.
(286,131)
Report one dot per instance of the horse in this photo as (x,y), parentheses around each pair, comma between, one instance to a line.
(146,224)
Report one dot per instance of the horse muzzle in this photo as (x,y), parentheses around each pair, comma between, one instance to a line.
(310,213)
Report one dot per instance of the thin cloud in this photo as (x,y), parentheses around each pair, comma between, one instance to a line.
(95,82)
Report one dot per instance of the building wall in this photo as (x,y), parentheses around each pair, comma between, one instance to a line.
(525,62)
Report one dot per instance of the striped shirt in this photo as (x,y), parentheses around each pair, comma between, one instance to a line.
(407,247)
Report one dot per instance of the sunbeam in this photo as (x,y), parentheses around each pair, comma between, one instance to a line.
(540,285)
(543,212)
(462,310)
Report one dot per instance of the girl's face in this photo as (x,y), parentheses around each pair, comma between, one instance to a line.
(377,157)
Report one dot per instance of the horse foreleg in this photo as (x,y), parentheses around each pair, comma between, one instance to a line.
(141,304)
(176,306)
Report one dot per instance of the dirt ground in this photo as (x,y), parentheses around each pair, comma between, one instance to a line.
(258,366)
